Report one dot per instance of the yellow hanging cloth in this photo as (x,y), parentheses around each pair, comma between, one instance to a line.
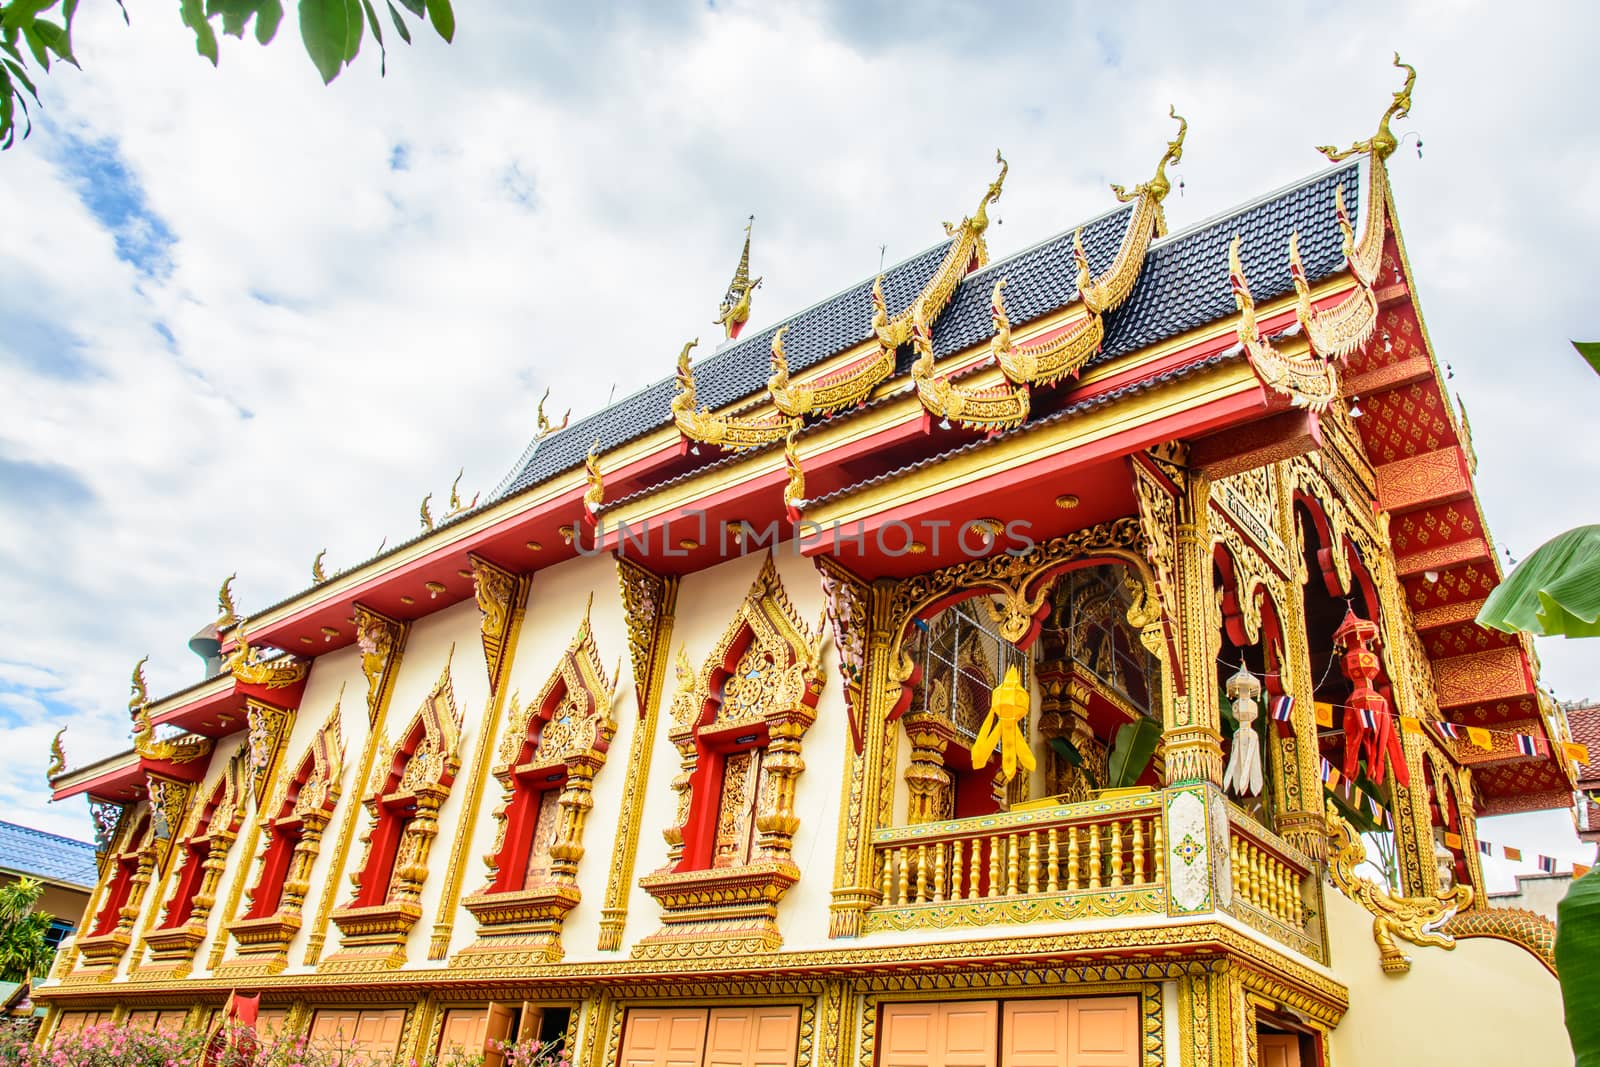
(1008,707)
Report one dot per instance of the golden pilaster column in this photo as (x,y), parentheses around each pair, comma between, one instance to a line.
(1465,812)
(1413,829)
(1299,766)
(651,602)
(837,1025)
(869,783)
(927,779)
(1192,741)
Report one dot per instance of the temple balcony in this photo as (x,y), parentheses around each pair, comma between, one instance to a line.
(1178,853)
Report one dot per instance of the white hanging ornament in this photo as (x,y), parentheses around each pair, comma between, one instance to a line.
(1243,776)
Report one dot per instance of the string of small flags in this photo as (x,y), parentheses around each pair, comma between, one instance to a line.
(1479,736)
(1369,805)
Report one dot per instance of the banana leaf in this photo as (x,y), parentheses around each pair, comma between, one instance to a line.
(1132,751)
(1590,351)
(1069,752)
(1578,964)
(1556,590)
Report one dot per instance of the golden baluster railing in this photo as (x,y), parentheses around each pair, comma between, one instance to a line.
(1236,866)
(1280,891)
(903,882)
(957,853)
(886,876)
(922,873)
(1072,859)
(1094,855)
(975,872)
(938,872)
(1158,849)
(995,886)
(1116,854)
(1138,851)
(1033,861)
(1013,855)
(1053,878)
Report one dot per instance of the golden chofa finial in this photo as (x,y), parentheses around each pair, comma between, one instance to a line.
(979,221)
(595,494)
(456,506)
(58,757)
(735,309)
(684,403)
(318,575)
(227,615)
(1382,144)
(545,428)
(426,514)
(1159,186)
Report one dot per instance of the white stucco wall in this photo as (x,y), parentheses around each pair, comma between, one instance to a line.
(1485,1002)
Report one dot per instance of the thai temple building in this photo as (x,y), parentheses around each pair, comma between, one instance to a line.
(999,663)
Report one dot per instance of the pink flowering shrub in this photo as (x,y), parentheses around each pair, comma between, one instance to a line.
(108,1045)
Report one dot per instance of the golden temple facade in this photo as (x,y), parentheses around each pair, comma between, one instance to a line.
(1000,663)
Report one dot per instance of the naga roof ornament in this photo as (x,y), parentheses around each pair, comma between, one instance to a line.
(851,384)
(991,408)
(227,614)
(247,665)
(456,504)
(1381,145)
(545,428)
(735,309)
(794,491)
(731,432)
(1308,382)
(594,495)
(1064,352)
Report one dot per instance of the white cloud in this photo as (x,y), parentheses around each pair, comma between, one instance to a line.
(347,334)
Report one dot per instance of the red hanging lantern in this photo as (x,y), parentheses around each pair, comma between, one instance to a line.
(1368,724)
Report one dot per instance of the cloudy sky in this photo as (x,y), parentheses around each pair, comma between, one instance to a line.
(244,317)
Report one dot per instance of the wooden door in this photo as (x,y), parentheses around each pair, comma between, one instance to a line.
(753,1037)
(496,1032)
(953,1034)
(462,1031)
(332,1029)
(1103,1032)
(1034,1033)
(1278,1050)
(378,1033)
(663,1037)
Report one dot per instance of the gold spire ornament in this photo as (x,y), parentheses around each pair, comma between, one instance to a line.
(58,757)
(227,615)
(595,494)
(545,429)
(1381,145)
(1002,727)
(735,309)
(318,575)
(426,515)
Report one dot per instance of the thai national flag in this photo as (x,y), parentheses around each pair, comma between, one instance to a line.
(1450,730)
(1368,720)
(1547,864)
(1282,708)
(1485,847)
(1527,745)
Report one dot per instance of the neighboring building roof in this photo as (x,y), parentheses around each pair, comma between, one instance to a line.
(37,854)
(1584,720)
(1183,284)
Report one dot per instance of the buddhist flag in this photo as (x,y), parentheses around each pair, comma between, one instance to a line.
(1547,864)
(1324,713)
(1512,854)
(1579,870)
(1575,752)
(1527,745)
(1283,708)
(1480,737)
(1452,840)
(1410,724)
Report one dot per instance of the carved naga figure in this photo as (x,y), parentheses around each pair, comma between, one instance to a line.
(1383,143)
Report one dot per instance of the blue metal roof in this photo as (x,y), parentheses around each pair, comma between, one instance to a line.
(40,855)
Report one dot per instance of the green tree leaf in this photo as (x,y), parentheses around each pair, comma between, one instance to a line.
(205,38)
(1135,746)
(400,25)
(325,28)
(443,18)
(377,35)
(269,15)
